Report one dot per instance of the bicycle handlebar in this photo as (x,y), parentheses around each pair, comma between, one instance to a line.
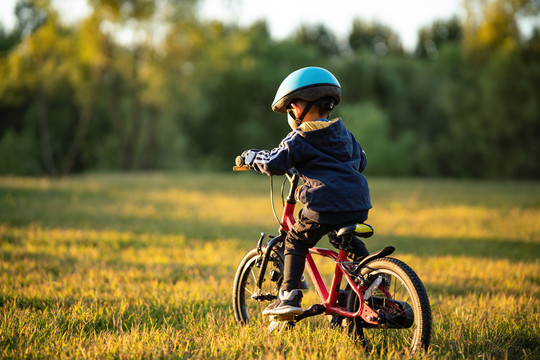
(291,174)
(240,164)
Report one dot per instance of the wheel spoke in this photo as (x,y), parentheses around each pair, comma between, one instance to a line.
(405,304)
(246,309)
(254,276)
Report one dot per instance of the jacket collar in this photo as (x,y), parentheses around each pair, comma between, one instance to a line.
(316,125)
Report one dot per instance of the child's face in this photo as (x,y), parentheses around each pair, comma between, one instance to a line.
(293,123)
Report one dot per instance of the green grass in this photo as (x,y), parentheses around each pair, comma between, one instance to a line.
(141,266)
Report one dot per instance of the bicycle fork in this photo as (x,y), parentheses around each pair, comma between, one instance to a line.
(257,295)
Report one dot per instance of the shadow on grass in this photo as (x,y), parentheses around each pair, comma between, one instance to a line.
(512,250)
(188,230)
(100,210)
(83,206)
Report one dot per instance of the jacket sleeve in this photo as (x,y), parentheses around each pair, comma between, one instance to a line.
(278,160)
(363,161)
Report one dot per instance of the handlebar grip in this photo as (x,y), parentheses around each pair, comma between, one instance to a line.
(239,161)
(241,168)
(240,164)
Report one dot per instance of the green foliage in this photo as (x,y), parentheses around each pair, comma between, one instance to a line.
(374,38)
(13,148)
(386,155)
(432,39)
(319,37)
(199,93)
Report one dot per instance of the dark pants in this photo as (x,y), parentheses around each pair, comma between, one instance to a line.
(305,234)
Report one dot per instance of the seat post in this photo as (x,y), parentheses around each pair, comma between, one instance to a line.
(346,242)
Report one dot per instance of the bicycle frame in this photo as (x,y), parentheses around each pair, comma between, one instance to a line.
(328,299)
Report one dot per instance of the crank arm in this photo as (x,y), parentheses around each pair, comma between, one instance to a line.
(311,311)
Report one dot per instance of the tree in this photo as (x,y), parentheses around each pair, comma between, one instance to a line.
(88,64)
(319,37)
(36,66)
(375,38)
(493,24)
(31,14)
(138,80)
(432,38)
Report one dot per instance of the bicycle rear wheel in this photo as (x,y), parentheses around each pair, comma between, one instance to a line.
(248,301)
(402,304)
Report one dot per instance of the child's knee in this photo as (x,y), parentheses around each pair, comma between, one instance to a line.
(295,247)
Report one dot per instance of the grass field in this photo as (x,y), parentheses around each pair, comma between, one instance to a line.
(141,266)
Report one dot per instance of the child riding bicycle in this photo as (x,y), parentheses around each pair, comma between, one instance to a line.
(329,161)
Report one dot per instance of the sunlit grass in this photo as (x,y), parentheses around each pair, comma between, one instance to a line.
(141,266)
(458,222)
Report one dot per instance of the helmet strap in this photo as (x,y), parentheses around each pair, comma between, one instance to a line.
(306,110)
(297,122)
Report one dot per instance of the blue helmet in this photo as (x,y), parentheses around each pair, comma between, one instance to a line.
(309,83)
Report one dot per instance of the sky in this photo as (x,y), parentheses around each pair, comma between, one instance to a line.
(284,16)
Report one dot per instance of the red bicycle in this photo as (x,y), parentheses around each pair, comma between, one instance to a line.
(381,303)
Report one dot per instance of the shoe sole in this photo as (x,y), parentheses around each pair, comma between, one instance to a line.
(289,310)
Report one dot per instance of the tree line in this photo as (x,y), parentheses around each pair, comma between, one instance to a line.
(191,94)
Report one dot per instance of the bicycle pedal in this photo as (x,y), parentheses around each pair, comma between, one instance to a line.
(281,317)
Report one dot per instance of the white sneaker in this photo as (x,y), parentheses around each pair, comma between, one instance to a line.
(287,304)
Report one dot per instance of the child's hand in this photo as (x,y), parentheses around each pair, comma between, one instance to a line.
(249,156)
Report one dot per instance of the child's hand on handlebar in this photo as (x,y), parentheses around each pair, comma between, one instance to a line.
(249,157)
(245,161)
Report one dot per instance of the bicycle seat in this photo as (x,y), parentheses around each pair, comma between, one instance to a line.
(360,230)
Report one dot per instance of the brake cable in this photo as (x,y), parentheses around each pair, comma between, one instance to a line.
(282,189)
(272,198)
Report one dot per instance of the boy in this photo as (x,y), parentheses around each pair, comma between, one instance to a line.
(329,161)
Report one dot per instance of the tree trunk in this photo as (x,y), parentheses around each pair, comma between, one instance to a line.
(151,146)
(82,126)
(132,139)
(44,135)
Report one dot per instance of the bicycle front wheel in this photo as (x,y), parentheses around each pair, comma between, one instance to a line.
(248,300)
(402,304)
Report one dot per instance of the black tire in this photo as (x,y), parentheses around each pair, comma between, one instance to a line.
(409,310)
(246,309)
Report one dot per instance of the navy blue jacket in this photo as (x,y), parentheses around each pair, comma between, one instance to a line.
(330,162)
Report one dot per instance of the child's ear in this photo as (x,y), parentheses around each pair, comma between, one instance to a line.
(295,107)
